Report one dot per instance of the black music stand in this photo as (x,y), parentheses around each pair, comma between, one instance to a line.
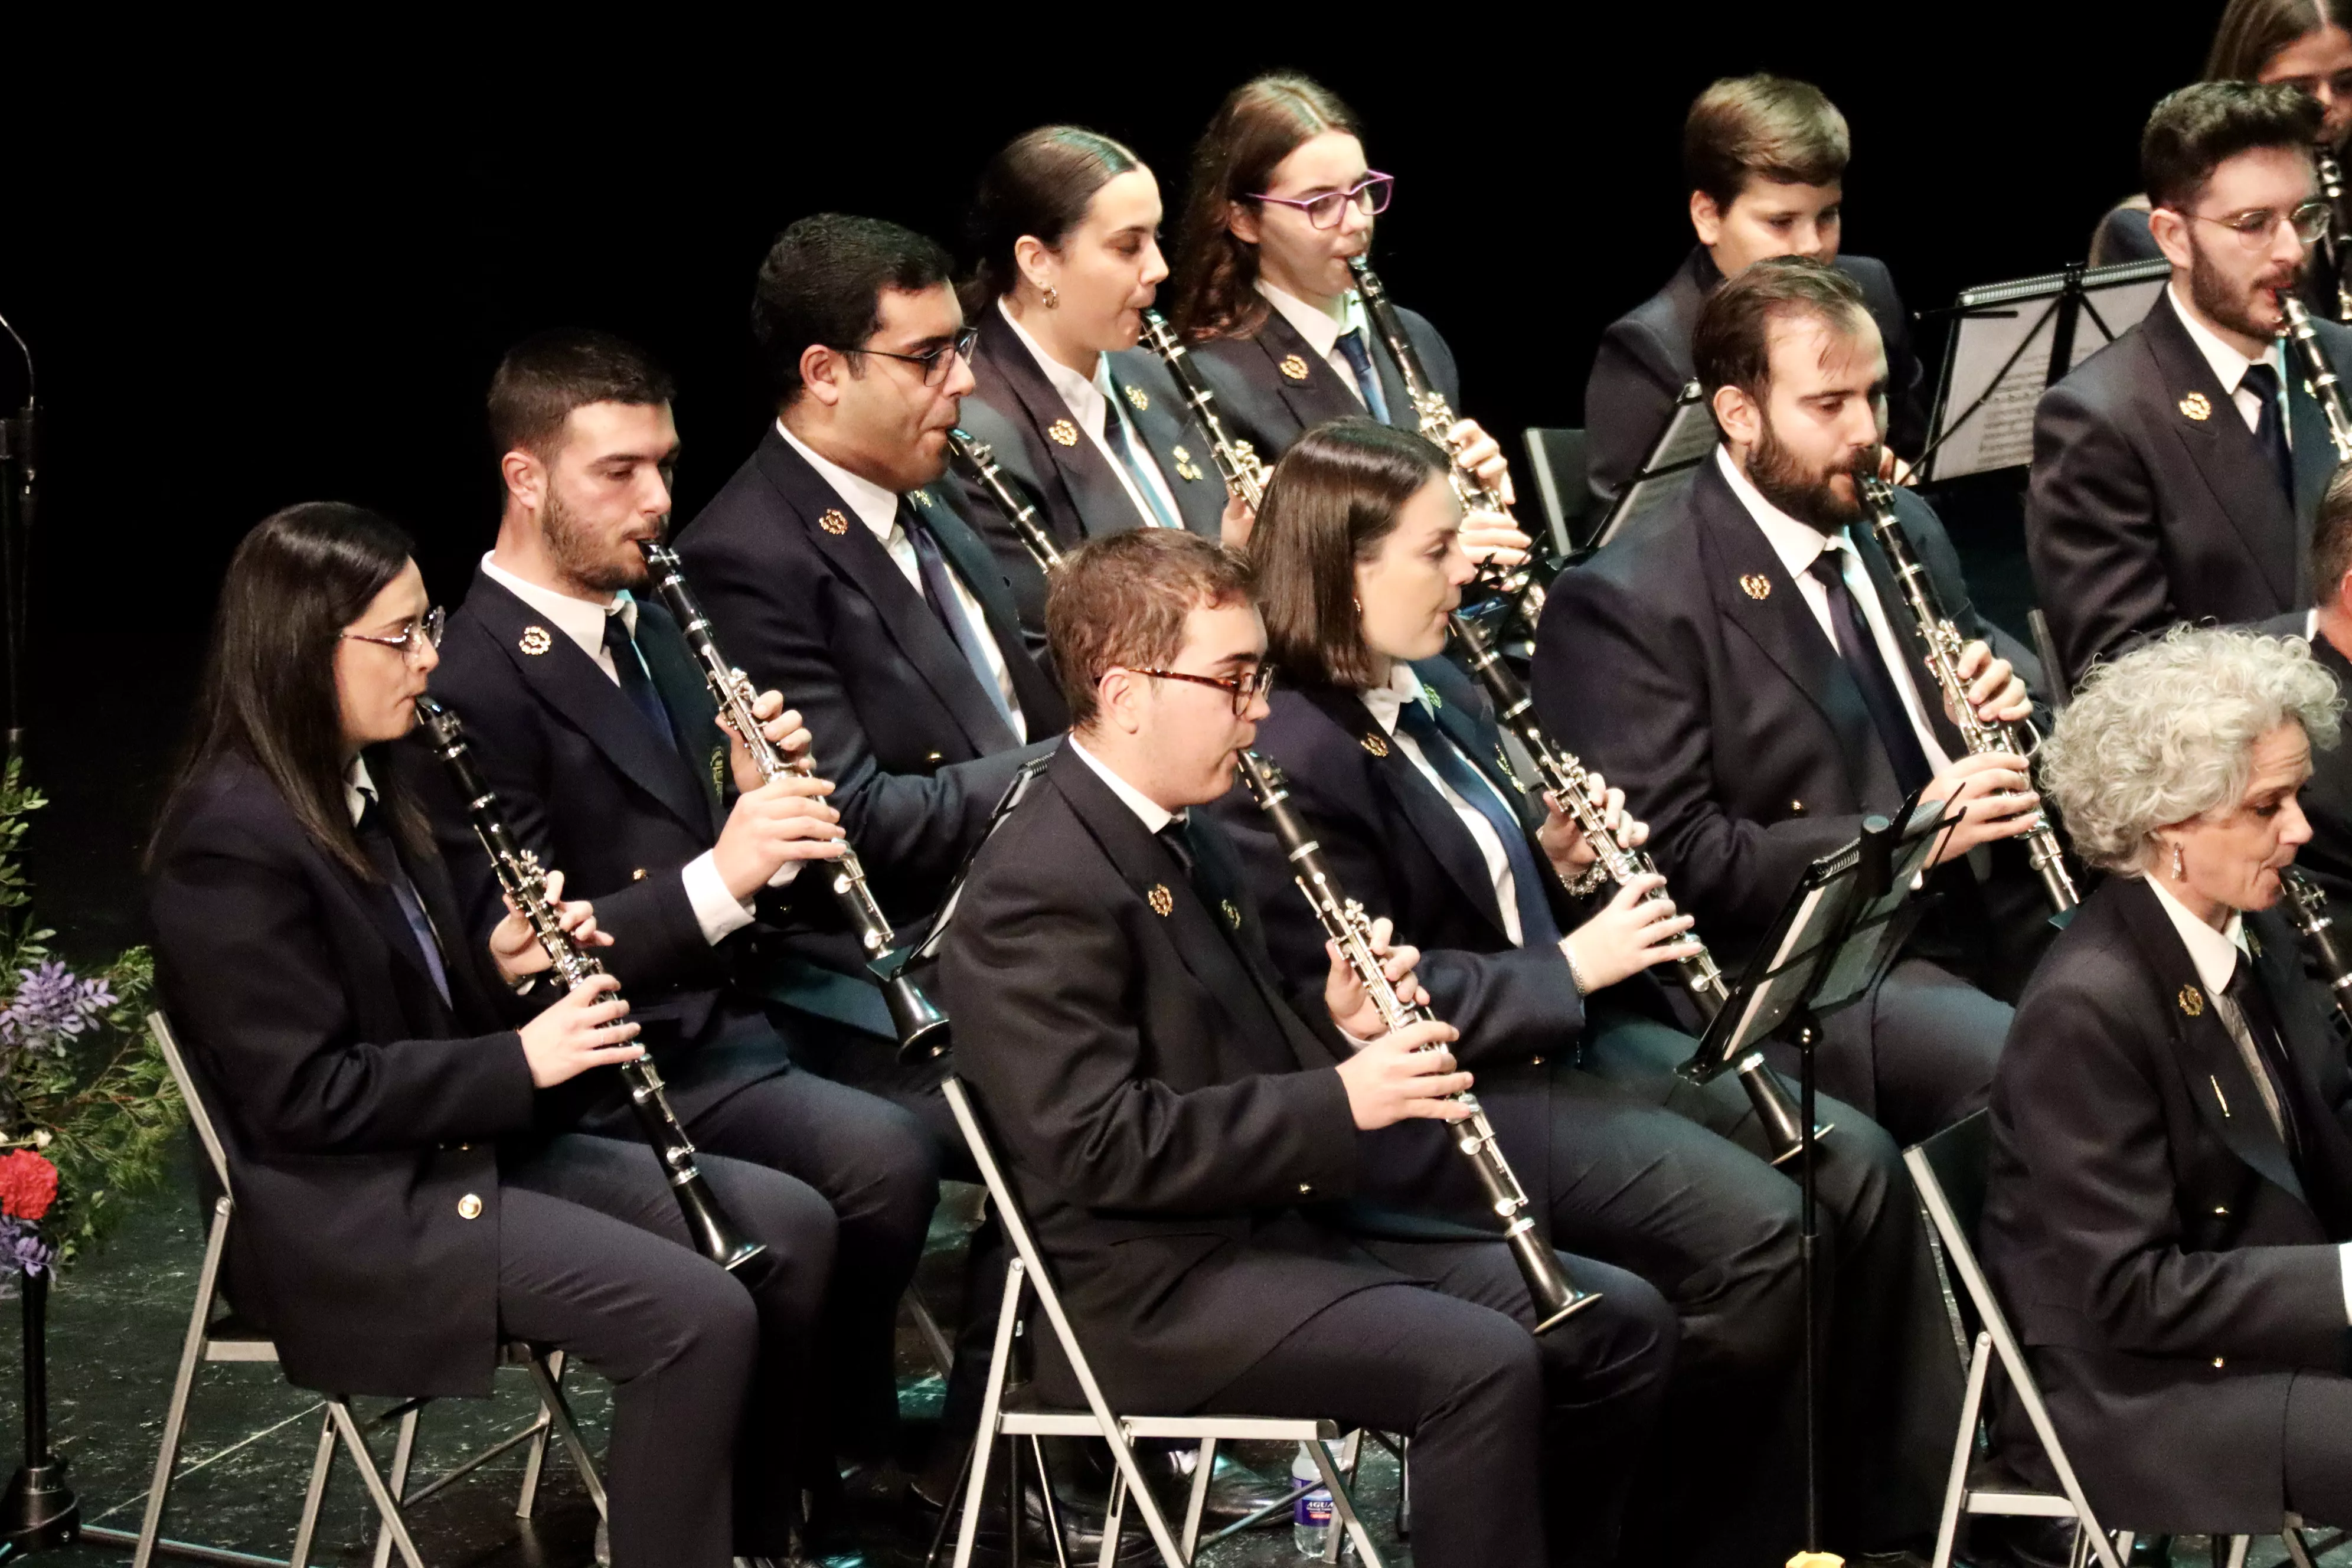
(1840,932)
(1689,435)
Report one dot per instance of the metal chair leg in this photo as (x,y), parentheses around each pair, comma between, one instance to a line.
(1343,1511)
(386,1506)
(403,1450)
(928,1329)
(1964,1448)
(535,1455)
(315,1496)
(2238,1544)
(175,1418)
(990,1406)
(1046,1503)
(2290,1537)
(1204,1464)
(558,1410)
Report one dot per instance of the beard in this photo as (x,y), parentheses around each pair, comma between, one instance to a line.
(2224,302)
(1807,493)
(579,552)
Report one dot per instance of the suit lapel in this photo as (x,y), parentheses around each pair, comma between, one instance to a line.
(1316,395)
(1178,449)
(2236,474)
(686,694)
(1043,708)
(1739,560)
(560,673)
(1078,465)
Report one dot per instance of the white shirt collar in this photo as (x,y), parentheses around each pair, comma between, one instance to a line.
(2214,952)
(582,620)
(876,508)
(1385,702)
(2228,365)
(1086,398)
(1153,814)
(1322,334)
(1798,544)
(358,788)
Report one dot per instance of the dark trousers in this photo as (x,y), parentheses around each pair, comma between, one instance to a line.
(593,1258)
(1892,1376)
(2319,1449)
(1516,1439)
(1917,1055)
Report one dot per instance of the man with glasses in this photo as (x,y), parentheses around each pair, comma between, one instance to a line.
(1764,160)
(2177,472)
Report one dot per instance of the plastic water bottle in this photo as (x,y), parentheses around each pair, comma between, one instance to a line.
(1310,1513)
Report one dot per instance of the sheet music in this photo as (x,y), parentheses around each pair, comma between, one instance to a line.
(1689,435)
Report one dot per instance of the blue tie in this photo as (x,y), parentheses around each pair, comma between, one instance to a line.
(1438,749)
(1368,380)
(1115,437)
(2270,432)
(629,668)
(375,838)
(938,588)
(1859,648)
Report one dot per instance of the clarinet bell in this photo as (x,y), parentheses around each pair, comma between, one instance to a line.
(1784,1126)
(921,1027)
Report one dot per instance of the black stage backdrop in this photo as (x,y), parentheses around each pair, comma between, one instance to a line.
(249,285)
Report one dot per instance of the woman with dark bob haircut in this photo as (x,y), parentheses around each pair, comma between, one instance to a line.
(1394,758)
(402,1203)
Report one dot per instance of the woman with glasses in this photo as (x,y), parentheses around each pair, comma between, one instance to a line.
(1091,431)
(389,1098)
(1281,200)
(1394,757)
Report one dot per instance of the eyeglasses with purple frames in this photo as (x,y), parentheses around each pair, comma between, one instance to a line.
(1369,194)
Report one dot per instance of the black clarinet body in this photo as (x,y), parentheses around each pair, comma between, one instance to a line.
(1237,462)
(920,1027)
(2306,908)
(525,884)
(1567,782)
(1557,1297)
(980,462)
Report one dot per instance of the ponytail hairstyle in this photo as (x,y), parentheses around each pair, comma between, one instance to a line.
(1040,185)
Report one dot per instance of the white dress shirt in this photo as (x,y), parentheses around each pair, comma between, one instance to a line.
(1089,401)
(1149,812)
(2215,955)
(1384,703)
(2230,367)
(1323,333)
(716,910)
(877,508)
(357,789)
(1799,545)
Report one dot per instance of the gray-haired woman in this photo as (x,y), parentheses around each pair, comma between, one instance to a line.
(2171,1172)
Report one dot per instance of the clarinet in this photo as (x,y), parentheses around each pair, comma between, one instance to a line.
(980,463)
(1517,587)
(920,1027)
(2307,905)
(1566,779)
(2331,188)
(1557,1297)
(2303,338)
(1944,644)
(1237,461)
(525,884)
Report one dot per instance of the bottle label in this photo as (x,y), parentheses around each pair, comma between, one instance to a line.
(1313,1512)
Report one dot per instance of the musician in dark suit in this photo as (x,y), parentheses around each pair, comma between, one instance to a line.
(1765,160)
(1092,431)
(2327,796)
(2175,472)
(1392,756)
(588,715)
(1180,1135)
(1281,198)
(407,1194)
(2170,1186)
(1747,671)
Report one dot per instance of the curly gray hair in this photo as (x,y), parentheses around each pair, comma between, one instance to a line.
(2167,732)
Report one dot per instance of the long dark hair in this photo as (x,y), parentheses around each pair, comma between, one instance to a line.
(1259,124)
(1040,183)
(1333,497)
(295,582)
(2252,31)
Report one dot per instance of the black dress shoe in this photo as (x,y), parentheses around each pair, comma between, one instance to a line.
(1236,1491)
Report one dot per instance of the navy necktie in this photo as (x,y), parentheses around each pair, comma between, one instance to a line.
(939,591)
(629,667)
(1536,924)
(375,838)
(2269,430)
(2246,989)
(1368,380)
(1880,695)
(1115,437)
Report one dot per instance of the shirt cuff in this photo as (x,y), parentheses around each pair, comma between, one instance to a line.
(2344,1264)
(717,910)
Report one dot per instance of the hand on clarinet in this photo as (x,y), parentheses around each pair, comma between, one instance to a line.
(1407,1073)
(1482,454)
(1634,931)
(1564,844)
(780,822)
(1490,536)
(586,1030)
(782,727)
(1351,1005)
(514,945)
(1995,691)
(1994,793)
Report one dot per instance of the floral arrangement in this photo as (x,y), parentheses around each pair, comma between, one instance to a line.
(87,1106)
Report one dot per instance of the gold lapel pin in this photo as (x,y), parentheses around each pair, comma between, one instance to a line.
(833,523)
(535,640)
(1064,433)
(1138,397)
(1232,915)
(2196,406)
(1161,900)
(1756,586)
(2219,1099)
(1294,367)
(1376,743)
(2192,1001)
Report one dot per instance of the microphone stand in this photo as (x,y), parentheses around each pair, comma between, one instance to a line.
(19,508)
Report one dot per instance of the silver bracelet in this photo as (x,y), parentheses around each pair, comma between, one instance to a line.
(1583,987)
(1588,880)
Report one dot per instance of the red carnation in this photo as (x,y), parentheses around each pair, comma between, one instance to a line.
(28,1184)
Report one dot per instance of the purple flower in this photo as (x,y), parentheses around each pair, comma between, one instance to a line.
(22,1250)
(52,1005)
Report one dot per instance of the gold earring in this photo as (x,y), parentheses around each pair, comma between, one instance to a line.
(1053,298)
(2179,872)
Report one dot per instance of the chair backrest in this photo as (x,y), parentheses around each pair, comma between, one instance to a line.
(207,1133)
(1557,457)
